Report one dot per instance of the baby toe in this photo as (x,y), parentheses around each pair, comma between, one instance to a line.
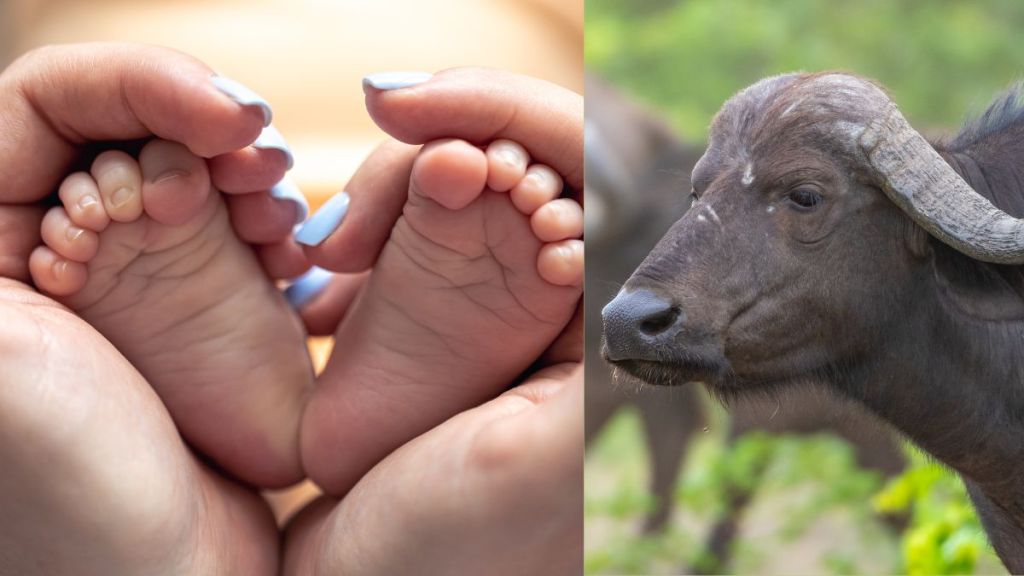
(120,184)
(175,182)
(67,239)
(54,274)
(81,198)
(452,173)
(561,263)
(559,219)
(540,185)
(506,164)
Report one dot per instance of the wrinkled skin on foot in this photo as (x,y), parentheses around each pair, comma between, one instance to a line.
(458,305)
(143,250)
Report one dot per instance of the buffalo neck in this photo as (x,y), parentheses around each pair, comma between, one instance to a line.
(954,384)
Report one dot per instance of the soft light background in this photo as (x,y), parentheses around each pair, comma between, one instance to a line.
(307,57)
(814,511)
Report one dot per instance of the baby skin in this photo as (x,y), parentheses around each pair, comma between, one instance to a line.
(143,250)
(482,271)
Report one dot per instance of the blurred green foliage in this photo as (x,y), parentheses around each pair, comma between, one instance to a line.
(820,468)
(945,535)
(939,58)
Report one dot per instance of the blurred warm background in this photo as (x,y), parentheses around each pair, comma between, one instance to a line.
(801,484)
(307,57)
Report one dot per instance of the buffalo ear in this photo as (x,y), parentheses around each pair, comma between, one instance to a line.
(916,239)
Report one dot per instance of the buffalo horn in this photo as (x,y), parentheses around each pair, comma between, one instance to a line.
(922,184)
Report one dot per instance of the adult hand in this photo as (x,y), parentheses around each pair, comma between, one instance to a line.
(57,101)
(96,479)
(496,490)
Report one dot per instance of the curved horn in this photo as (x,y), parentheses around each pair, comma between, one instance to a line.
(922,184)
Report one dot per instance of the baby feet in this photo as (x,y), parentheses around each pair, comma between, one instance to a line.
(144,251)
(481,273)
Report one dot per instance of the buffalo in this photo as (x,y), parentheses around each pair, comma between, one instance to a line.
(636,167)
(831,245)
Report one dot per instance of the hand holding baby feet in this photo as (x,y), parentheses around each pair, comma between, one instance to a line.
(144,251)
(482,271)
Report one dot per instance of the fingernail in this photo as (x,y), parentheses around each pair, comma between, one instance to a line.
(271,139)
(287,190)
(243,95)
(307,287)
(395,80)
(324,222)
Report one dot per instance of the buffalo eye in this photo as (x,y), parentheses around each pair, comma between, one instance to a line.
(805,199)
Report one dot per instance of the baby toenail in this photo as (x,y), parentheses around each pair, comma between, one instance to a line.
(537,178)
(59,268)
(121,196)
(86,202)
(170,174)
(74,233)
(510,156)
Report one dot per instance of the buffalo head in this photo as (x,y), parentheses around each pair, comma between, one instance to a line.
(806,243)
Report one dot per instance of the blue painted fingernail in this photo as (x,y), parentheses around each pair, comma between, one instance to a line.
(271,139)
(395,80)
(324,222)
(286,189)
(307,287)
(243,95)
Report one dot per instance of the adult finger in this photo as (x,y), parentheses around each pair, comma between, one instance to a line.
(56,98)
(481,105)
(348,232)
(519,456)
(323,299)
(19,235)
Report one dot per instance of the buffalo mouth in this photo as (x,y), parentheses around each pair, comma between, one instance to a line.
(674,370)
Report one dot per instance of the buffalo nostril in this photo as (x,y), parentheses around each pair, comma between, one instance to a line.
(637,319)
(658,322)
